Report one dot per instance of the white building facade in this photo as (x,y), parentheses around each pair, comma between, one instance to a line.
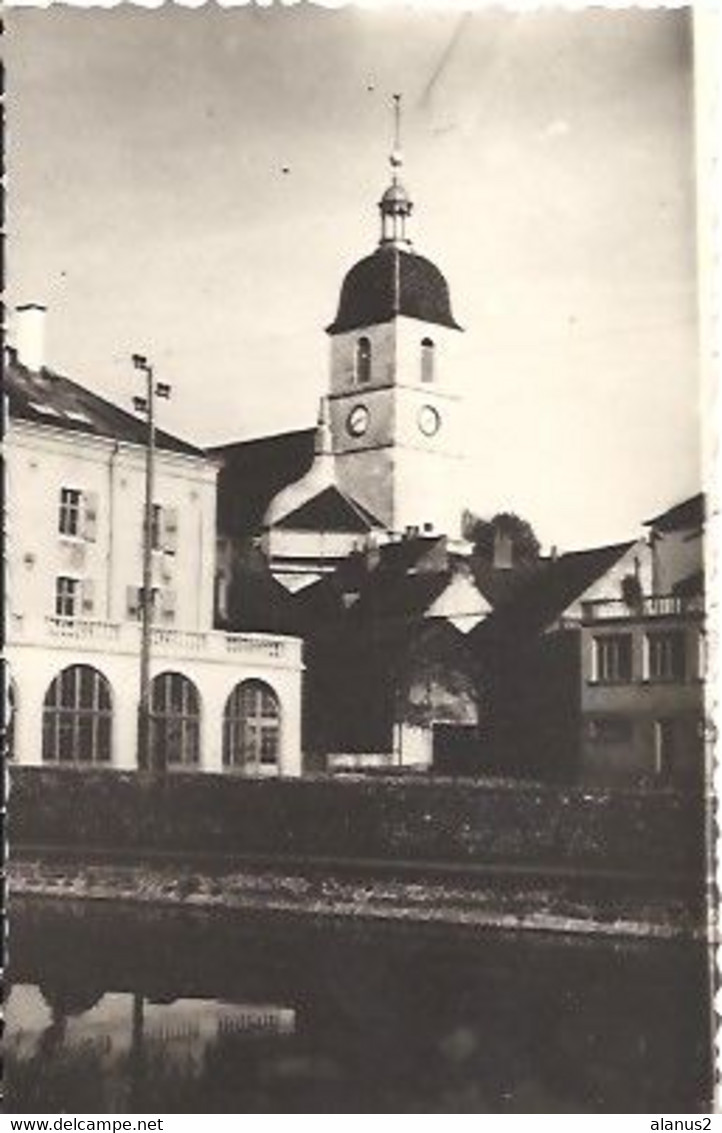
(74,482)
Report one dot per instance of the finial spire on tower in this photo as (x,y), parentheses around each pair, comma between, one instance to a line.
(395,205)
(397,157)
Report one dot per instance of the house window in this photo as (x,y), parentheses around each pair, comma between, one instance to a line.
(156,527)
(363,360)
(701,655)
(70,511)
(427,360)
(613,658)
(67,597)
(78,515)
(666,656)
(251,727)
(77,717)
(175,721)
(163,529)
(665,747)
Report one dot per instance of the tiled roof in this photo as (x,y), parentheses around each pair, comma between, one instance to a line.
(48,398)
(253,472)
(257,603)
(330,510)
(499,584)
(392,282)
(688,514)
(394,584)
(548,592)
(399,596)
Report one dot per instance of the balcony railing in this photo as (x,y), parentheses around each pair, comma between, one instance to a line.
(124,637)
(83,629)
(654,606)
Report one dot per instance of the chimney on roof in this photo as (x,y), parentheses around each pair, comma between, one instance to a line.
(554,553)
(30,335)
(503,551)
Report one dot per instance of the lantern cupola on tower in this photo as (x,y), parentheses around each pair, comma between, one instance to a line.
(395,205)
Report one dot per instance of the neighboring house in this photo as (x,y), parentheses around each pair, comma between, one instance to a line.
(74,482)
(676,538)
(529,658)
(589,673)
(390,679)
(643,664)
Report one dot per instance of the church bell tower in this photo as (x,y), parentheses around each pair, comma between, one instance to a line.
(394,395)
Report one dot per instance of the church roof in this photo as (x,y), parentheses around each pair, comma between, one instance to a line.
(390,282)
(45,397)
(330,510)
(253,472)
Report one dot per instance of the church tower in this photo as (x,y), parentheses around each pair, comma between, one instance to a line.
(394,395)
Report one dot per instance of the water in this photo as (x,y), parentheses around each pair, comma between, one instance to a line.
(112,1008)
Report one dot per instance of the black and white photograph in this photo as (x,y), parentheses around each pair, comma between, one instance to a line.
(359,497)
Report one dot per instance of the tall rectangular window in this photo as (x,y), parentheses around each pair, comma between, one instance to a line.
(70,511)
(156,528)
(67,597)
(666,653)
(613,656)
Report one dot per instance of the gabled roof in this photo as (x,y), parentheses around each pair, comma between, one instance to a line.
(417,553)
(253,472)
(500,584)
(257,603)
(330,510)
(403,596)
(45,397)
(391,585)
(688,514)
(544,595)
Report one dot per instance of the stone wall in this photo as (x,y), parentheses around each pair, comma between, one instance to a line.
(375,818)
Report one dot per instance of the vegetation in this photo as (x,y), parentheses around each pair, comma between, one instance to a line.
(485,534)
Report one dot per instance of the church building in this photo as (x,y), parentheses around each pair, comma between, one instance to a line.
(359,519)
(385,458)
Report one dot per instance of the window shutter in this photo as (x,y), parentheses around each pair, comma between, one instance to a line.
(169,603)
(133,601)
(87,595)
(90,516)
(170,530)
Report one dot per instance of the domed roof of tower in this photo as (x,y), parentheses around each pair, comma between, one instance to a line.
(396,193)
(389,282)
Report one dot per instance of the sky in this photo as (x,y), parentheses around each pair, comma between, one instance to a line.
(550,157)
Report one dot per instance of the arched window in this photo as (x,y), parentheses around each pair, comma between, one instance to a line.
(77,717)
(427,360)
(251,727)
(363,360)
(175,721)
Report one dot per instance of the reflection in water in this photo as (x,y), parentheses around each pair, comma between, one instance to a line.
(127,1010)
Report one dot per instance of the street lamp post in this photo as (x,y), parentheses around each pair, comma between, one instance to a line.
(148,758)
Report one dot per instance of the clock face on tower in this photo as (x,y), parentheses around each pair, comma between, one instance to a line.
(357,421)
(429,420)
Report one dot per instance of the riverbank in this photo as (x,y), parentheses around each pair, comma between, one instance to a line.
(557,905)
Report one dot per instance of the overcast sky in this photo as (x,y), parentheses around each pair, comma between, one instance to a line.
(550,159)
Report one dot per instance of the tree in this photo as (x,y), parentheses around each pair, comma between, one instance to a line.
(483,533)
